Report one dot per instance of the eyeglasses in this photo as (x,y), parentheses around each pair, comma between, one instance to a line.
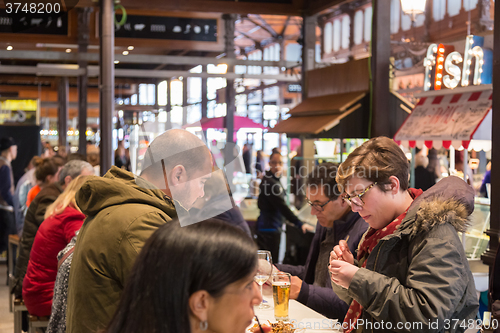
(356,198)
(317,206)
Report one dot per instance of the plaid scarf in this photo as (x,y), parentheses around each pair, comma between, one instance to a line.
(368,243)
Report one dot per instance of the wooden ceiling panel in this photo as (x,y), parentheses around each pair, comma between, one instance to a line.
(254,30)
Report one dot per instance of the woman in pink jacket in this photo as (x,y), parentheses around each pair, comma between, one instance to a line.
(62,219)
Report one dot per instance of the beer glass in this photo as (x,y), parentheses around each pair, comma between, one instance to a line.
(281,295)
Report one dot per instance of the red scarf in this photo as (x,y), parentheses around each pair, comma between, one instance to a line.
(368,243)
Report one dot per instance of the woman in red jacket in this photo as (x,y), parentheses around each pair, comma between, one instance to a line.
(62,219)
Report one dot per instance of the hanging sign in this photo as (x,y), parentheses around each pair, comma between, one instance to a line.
(442,65)
(164,27)
(18,111)
(448,119)
(48,20)
(294,88)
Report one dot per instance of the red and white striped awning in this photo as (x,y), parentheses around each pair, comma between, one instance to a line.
(461,120)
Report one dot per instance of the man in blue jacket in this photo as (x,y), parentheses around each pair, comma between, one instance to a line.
(311,283)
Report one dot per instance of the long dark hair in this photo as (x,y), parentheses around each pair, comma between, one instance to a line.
(175,263)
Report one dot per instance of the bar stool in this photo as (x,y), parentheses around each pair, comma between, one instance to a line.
(19,307)
(13,241)
(37,322)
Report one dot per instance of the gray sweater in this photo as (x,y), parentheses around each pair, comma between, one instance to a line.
(57,323)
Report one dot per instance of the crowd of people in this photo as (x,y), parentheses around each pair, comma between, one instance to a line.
(123,252)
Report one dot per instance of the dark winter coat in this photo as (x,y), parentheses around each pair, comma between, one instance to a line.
(420,273)
(322,298)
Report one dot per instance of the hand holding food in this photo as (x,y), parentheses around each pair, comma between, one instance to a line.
(342,252)
(342,272)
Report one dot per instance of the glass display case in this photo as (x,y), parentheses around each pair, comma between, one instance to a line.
(475,240)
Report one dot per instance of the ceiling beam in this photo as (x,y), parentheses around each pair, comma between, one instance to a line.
(261,87)
(212,6)
(34,81)
(256,42)
(267,26)
(93,71)
(282,33)
(262,24)
(137,59)
(315,7)
(74,105)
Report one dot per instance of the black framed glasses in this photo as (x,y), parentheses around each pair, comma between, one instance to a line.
(356,198)
(317,206)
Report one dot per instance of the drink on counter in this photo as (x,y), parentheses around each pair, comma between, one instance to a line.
(264,270)
(281,295)
(261,279)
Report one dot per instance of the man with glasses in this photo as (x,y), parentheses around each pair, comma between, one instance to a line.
(311,283)
(273,209)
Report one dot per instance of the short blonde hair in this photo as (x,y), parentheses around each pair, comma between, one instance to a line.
(66,198)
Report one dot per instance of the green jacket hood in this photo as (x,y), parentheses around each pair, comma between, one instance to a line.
(451,200)
(118,187)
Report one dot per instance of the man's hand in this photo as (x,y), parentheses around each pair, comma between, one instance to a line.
(307,227)
(342,272)
(342,252)
(295,287)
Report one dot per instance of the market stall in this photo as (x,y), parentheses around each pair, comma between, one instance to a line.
(457,119)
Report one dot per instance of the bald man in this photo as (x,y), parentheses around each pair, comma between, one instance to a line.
(122,212)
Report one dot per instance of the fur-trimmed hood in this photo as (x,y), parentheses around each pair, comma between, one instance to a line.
(450,200)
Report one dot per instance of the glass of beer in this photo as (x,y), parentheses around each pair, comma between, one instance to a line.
(281,294)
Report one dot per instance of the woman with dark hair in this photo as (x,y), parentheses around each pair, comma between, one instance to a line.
(191,279)
(46,173)
(122,156)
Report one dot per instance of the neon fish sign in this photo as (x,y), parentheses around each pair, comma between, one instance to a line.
(441,71)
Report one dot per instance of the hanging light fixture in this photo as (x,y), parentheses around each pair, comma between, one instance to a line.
(413,8)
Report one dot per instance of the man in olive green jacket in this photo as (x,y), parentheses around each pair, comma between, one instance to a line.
(123,211)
